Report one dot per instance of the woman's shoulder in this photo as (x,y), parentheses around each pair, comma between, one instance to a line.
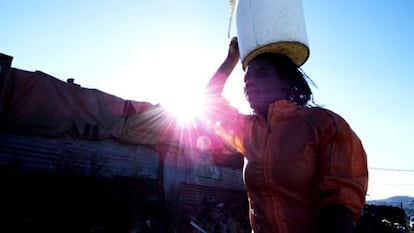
(318,115)
(322,111)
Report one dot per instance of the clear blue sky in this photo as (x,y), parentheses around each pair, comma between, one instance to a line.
(361,60)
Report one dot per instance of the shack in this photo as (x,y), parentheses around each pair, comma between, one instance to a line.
(74,159)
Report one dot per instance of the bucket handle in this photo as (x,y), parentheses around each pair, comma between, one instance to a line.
(232,5)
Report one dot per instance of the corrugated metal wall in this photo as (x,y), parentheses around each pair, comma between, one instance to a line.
(78,157)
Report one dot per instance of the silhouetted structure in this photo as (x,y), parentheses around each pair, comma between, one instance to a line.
(74,159)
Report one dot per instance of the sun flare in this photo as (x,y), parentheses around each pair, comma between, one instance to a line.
(185,106)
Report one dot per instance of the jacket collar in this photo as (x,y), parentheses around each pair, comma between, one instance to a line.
(281,108)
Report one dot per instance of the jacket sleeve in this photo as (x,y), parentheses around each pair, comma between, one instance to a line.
(227,123)
(343,174)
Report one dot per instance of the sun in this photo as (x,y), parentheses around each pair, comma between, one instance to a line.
(177,76)
(185,105)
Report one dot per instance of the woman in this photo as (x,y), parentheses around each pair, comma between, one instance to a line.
(305,170)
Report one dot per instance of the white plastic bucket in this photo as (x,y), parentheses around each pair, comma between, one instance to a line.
(276,26)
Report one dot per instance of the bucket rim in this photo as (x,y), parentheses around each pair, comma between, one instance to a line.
(295,50)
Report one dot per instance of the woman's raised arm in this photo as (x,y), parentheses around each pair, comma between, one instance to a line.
(216,84)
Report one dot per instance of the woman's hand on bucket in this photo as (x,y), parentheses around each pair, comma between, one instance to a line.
(233,52)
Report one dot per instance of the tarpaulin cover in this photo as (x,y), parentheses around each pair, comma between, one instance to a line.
(151,126)
(35,102)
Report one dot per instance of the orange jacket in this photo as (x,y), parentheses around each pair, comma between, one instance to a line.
(297,161)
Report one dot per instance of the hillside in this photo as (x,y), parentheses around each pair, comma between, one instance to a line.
(404,202)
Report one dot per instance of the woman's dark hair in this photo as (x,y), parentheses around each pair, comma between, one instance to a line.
(299,92)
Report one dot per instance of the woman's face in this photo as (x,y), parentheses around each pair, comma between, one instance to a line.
(264,85)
